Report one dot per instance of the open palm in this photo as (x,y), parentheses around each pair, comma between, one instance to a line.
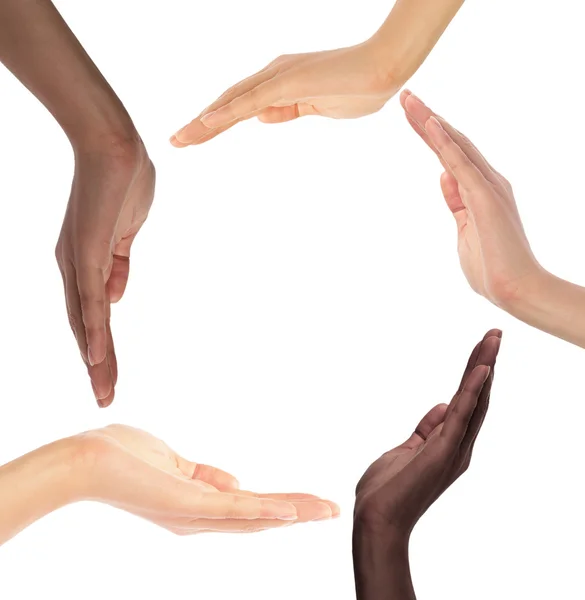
(401,485)
(135,471)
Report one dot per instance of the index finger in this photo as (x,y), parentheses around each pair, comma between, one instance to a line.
(254,101)
(197,129)
(476,358)
(219,505)
(457,422)
(468,176)
(92,295)
(482,406)
(419,112)
(484,353)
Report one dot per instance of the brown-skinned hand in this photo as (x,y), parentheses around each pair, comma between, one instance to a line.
(399,487)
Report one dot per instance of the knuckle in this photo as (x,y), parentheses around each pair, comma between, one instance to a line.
(90,300)
(232,511)
(279,60)
(59,253)
(505,183)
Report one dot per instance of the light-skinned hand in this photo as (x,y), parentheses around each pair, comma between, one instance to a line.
(494,252)
(132,470)
(342,84)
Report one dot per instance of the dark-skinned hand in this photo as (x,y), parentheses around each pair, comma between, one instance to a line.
(399,487)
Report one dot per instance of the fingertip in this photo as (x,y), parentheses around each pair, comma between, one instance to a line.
(403,97)
(483,373)
(432,123)
(493,333)
(115,297)
(95,357)
(209,119)
(186,135)
(413,102)
(492,342)
(107,401)
(175,142)
(446,181)
(324,512)
(335,508)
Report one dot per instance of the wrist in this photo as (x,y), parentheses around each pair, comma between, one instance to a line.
(405,39)
(525,298)
(98,122)
(108,140)
(61,465)
(381,564)
(550,304)
(37,484)
(390,72)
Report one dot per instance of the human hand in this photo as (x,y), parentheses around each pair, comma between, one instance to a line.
(342,84)
(398,488)
(132,470)
(112,192)
(493,249)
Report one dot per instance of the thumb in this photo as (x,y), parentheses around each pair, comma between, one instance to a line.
(118,277)
(428,423)
(120,268)
(281,114)
(450,189)
(220,480)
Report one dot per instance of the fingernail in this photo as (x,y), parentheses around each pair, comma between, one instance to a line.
(90,357)
(436,122)
(179,133)
(97,397)
(326,513)
(288,518)
(205,118)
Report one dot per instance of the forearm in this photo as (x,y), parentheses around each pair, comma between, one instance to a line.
(35,485)
(381,567)
(553,305)
(43,53)
(410,33)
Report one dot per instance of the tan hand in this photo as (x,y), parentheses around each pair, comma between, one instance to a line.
(132,470)
(341,84)
(493,249)
(110,199)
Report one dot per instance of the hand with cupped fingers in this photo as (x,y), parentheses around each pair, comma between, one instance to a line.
(494,252)
(344,83)
(401,485)
(398,488)
(132,470)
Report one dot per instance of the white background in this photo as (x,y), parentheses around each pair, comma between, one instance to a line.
(290,287)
